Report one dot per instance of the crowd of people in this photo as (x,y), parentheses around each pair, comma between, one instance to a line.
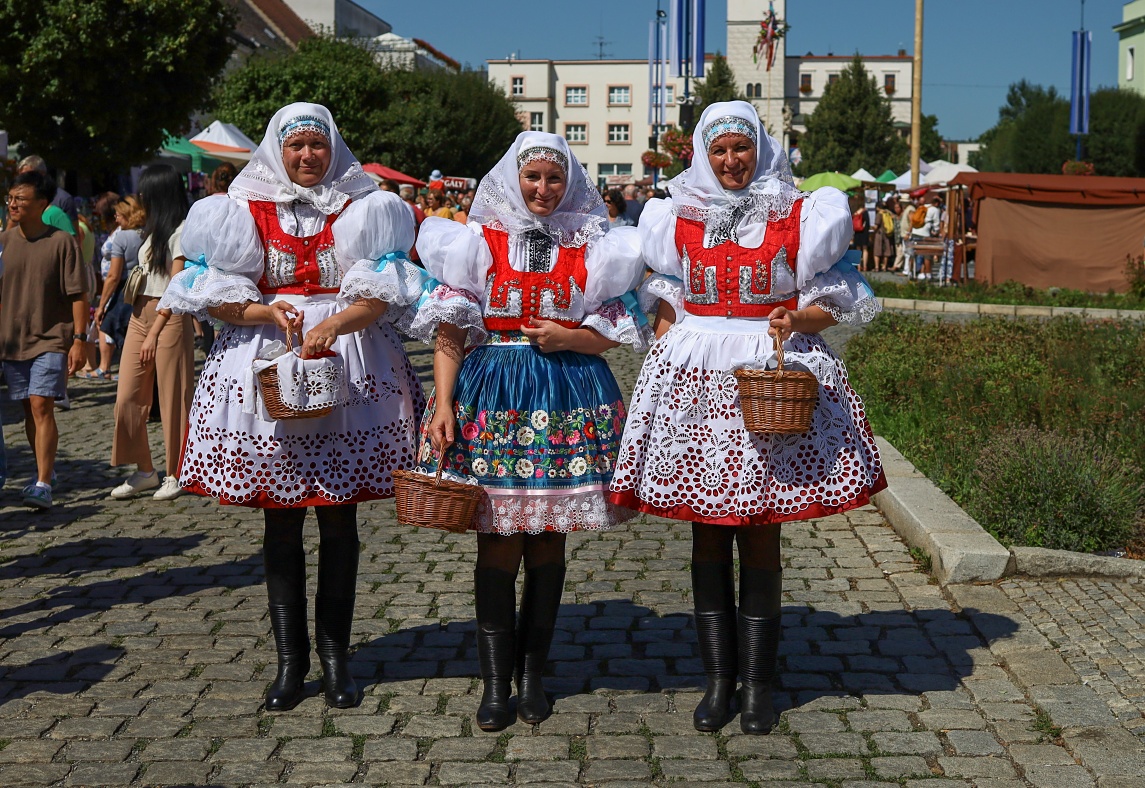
(888,234)
(520,297)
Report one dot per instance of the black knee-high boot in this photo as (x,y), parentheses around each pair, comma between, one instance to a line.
(334,611)
(495,596)
(761,593)
(540,601)
(713,595)
(285,564)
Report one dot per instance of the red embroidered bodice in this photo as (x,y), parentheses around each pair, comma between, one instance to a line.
(512,297)
(301,266)
(729,280)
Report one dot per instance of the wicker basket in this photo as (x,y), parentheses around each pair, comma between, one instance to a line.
(435,502)
(272,394)
(777,400)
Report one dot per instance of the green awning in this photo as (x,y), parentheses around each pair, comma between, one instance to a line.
(886,177)
(837,179)
(200,161)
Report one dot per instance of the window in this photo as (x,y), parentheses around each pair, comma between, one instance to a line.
(613,174)
(832,79)
(576,133)
(576,96)
(619,95)
(618,134)
(750,90)
(804,83)
(759,90)
(669,94)
(536,121)
(1130,56)
(888,83)
(518,86)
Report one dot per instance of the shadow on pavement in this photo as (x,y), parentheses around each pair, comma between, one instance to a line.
(62,673)
(619,645)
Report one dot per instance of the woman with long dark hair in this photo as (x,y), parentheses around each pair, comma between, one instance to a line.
(164,201)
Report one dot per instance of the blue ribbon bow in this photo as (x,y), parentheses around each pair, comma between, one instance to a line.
(426,291)
(199,267)
(633,307)
(391,257)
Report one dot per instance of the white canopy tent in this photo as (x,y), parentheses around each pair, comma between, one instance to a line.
(946,172)
(225,141)
(862,175)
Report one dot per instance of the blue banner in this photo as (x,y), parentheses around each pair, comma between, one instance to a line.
(697,49)
(1079,83)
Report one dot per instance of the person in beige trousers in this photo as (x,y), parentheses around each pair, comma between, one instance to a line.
(158,349)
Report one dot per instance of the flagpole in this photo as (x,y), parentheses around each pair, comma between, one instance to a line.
(916,99)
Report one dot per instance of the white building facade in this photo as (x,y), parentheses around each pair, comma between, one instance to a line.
(344,17)
(600,106)
(809,75)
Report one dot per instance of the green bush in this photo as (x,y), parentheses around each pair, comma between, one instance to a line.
(1135,273)
(1015,293)
(940,391)
(1046,488)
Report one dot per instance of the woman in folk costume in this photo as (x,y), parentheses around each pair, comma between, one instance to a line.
(740,255)
(304,242)
(533,412)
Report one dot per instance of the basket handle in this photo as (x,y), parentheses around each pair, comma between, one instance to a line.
(441,463)
(778,354)
(290,336)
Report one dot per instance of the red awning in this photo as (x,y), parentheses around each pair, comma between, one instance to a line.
(1092,190)
(383,171)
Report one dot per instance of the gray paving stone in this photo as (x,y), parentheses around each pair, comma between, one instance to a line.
(900,766)
(606,747)
(917,743)
(976,767)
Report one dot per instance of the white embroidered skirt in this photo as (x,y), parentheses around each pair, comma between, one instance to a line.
(234,453)
(686,455)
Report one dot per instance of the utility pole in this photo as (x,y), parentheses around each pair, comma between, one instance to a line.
(916,98)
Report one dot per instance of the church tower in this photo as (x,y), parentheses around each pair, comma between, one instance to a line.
(763,88)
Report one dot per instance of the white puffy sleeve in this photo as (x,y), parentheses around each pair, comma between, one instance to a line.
(823,276)
(458,259)
(658,245)
(224,259)
(371,241)
(615,268)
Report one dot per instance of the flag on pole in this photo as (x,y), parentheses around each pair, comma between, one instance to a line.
(697,49)
(1079,83)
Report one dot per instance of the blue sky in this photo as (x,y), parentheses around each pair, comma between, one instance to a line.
(973,49)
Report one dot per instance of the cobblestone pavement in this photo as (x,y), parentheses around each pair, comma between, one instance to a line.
(134,650)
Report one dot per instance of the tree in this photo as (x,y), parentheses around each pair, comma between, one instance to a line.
(92,85)
(1032,133)
(852,127)
(341,76)
(414,121)
(930,144)
(718,85)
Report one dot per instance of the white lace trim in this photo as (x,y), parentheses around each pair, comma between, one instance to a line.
(661,287)
(446,305)
(508,512)
(211,289)
(614,322)
(398,283)
(843,295)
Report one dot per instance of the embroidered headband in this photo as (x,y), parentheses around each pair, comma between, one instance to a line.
(301,124)
(729,124)
(544,153)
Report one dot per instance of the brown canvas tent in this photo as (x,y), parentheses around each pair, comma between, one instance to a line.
(1056,230)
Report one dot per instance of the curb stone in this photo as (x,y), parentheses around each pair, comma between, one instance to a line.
(961,550)
(1009,310)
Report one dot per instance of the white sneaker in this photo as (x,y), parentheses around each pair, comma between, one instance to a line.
(135,484)
(169,490)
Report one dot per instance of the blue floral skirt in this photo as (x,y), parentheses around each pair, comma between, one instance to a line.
(540,432)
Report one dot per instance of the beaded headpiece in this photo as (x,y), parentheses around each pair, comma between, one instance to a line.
(729,124)
(542,152)
(301,124)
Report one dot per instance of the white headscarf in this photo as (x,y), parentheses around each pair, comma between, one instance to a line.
(579,217)
(264,178)
(697,193)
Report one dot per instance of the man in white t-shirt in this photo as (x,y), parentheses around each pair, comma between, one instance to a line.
(931,228)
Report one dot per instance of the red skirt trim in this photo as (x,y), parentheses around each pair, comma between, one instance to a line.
(262,500)
(629,500)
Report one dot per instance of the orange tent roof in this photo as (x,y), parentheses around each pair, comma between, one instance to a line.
(1092,190)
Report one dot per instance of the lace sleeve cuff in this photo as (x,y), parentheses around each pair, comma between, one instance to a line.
(444,304)
(661,287)
(843,293)
(621,320)
(194,290)
(393,279)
